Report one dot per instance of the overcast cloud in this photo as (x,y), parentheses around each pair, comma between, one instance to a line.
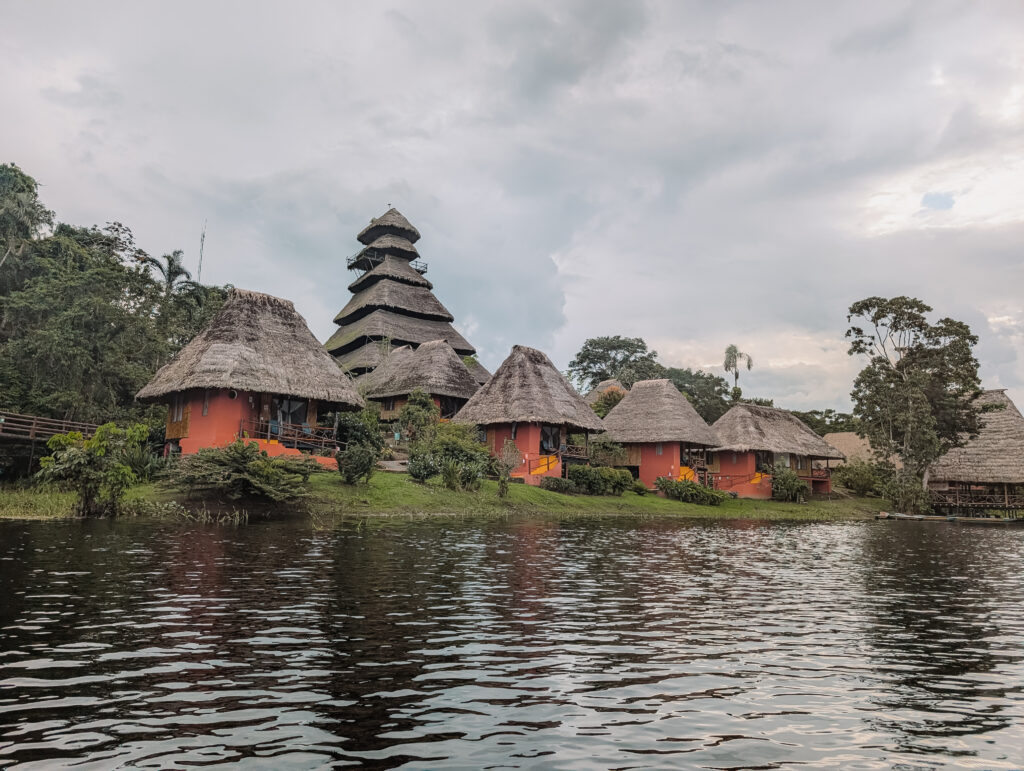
(696,174)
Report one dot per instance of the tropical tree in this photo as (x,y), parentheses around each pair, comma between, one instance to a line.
(706,392)
(915,398)
(603,358)
(171,268)
(734,358)
(22,216)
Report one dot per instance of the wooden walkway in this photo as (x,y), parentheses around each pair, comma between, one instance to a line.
(30,428)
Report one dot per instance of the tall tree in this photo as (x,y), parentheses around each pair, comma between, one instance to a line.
(915,398)
(172,272)
(602,358)
(734,358)
(707,393)
(22,218)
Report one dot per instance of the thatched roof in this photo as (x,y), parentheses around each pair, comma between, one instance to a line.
(433,367)
(255,343)
(389,244)
(393,268)
(361,359)
(598,391)
(408,300)
(996,454)
(850,444)
(748,427)
(399,329)
(528,389)
(390,222)
(479,372)
(655,411)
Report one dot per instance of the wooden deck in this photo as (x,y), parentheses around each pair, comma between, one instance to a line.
(1012,520)
(29,428)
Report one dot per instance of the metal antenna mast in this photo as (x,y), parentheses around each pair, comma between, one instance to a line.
(202,243)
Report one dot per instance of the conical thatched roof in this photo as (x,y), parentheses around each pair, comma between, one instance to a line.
(748,427)
(256,343)
(598,391)
(390,222)
(414,301)
(996,454)
(528,389)
(361,359)
(433,367)
(655,411)
(393,268)
(399,329)
(479,372)
(390,244)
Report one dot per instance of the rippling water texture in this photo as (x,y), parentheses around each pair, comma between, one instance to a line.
(513,644)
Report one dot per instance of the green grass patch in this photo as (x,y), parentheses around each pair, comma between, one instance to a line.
(35,503)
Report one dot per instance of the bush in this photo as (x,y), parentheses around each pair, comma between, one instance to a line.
(603,452)
(689,492)
(558,485)
(859,476)
(616,481)
(639,487)
(906,493)
(95,468)
(356,462)
(588,479)
(422,464)
(420,417)
(242,471)
(787,486)
(142,461)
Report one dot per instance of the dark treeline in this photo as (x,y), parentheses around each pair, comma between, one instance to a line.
(86,317)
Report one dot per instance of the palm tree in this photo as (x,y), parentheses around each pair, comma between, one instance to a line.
(173,274)
(733,357)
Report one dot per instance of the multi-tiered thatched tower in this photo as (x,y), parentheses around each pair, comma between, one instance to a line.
(392,303)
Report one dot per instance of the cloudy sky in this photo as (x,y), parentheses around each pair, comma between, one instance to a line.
(696,174)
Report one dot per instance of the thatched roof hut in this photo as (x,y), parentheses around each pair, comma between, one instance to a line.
(528,389)
(433,367)
(750,427)
(996,454)
(655,411)
(256,343)
(390,222)
(399,329)
(393,268)
(599,390)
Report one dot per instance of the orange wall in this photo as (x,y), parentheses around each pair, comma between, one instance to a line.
(528,442)
(653,465)
(219,427)
(738,474)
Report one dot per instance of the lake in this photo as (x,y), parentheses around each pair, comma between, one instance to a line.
(521,643)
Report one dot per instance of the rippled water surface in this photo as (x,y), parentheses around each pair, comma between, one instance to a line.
(514,644)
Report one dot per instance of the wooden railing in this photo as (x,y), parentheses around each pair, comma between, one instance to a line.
(298,435)
(15,426)
(977,499)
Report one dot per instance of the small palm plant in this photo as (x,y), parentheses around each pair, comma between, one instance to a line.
(733,359)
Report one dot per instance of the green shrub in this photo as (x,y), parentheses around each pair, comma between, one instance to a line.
(94,468)
(859,476)
(604,452)
(419,417)
(689,492)
(356,462)
(142,461)
(240,471)
(588,479)
(616,481)
(639,487)
(906,493)
(459,443)
(558,485)
(422,464)
(787,486)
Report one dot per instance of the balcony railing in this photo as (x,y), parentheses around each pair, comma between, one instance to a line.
(360,261)
(298,435)
(15,426)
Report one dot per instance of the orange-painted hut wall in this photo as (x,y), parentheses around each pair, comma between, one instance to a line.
(738,474)
(534,465)
(219,426)
(653,465)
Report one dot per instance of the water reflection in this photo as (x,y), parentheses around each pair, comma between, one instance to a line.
(514,644)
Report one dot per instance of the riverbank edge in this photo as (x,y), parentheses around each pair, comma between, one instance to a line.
(397,495)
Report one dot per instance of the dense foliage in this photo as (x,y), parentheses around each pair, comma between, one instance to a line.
(558,485)
(607,401)
(689,492)
(599,480)
(859,476)
(86,317)
(241,471)
(360,445)
(453,451)
(915,398)
(827,421)
(787,485)
(419,417)
(95,468)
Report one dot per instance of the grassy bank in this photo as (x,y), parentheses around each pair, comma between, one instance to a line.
(398,495)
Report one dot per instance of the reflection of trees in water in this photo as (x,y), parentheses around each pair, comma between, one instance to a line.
(934,592)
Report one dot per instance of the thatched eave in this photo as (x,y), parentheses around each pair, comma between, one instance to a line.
(655,411)
(400,330)
(753,428)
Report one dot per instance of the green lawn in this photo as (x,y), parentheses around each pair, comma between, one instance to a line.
(398,495)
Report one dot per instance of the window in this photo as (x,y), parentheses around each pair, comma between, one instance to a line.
(286,410)
(658,449)
(206,403)
(177,408)
(389,404)
(550,439)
